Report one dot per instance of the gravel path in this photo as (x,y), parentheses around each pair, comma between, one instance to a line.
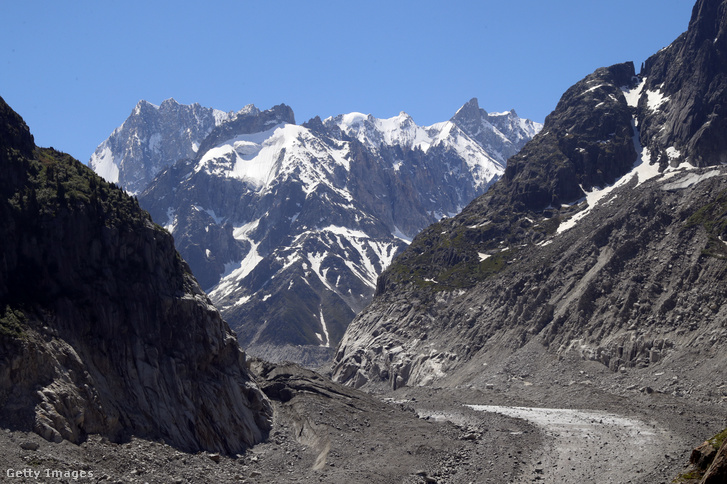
(588,446)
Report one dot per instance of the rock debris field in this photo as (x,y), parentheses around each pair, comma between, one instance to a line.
(323,432)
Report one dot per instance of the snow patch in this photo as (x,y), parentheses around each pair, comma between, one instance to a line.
(401,235)
(673,153)
(241,301)
(324,326)
(655,99)
(690,180)
(315,262)
(632,95)
(104,165)
(229,282)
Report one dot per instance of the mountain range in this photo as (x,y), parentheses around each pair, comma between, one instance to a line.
(567,325)
(288,226)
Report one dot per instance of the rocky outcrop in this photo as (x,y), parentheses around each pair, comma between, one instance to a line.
(707,462)
(105,330)
(587,246)
(717,471)
(587,142)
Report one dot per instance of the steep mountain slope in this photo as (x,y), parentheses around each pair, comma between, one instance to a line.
(152,138)
(104,330)
(603,240)
(288,226)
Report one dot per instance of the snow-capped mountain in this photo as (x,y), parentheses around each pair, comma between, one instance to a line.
(288,226)
(152,138)
(484,141)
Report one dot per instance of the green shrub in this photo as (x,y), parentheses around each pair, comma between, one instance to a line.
(12,323)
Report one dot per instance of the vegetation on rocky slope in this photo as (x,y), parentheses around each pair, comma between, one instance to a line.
(713,218)
(12,323)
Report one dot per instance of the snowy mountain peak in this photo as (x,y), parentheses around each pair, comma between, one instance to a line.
(143,106)
(471,132)
(250,109)
(374,132)
(169,103)
(504,133)
(284,149)
(151,138)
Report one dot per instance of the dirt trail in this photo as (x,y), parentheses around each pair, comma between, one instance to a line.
(590,446)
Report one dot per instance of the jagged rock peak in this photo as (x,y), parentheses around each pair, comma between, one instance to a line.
(684,106)
(506,132)
(169,103)
(471,109)
(153,137)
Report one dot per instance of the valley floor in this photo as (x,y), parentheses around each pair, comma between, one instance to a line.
(513,430)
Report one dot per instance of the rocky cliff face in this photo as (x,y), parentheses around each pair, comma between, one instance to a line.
(104,330)
(590,245)
(288,226)
(682,115)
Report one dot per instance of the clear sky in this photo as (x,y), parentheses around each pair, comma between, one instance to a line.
(75,70)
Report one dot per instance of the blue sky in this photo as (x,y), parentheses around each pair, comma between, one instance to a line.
(75,70)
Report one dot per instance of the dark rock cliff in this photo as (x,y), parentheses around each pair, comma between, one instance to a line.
(686,105)
(103,328)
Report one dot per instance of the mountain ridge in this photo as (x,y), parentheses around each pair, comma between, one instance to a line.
(266,205)
(555,254)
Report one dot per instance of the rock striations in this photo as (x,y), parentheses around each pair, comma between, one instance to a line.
(603,240)
(103,329)
(288,226)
